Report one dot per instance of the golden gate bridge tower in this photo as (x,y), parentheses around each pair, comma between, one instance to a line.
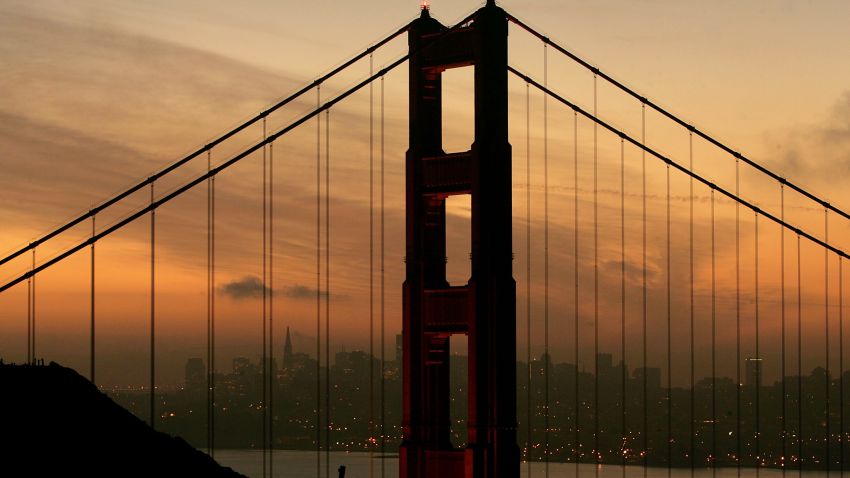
(484,308)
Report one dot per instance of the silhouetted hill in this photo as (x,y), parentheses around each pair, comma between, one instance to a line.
(54,422)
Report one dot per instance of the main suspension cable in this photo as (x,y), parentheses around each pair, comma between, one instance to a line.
(198,180)
(209,146)
(645,101)
(677,166)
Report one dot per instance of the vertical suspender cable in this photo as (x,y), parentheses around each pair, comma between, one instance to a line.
(272,372)
(758,351)
(826,338)
(212,315)
(29,319)
(738,318)
(32,308)
(327,292)
(209,373)
(371,270)
(623,302)
(209,309)
(528,275)
(91,303)
(645,429)
(596,453)
(383,303)
(782,318)
(265,367)
(799,360)
(576,429)
(841,435)
(713,460)
(153,312)
(691,299)
(669,343)
(546,260)
(318,285)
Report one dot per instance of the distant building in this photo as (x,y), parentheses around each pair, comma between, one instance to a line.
(605,362)
(754,371)
(301,361)
(652,374)
(357,362)
(195,374)
(243,366)
(607,375)
(293,362)
(287,351)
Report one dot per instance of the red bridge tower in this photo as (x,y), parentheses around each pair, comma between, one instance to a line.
(485,309)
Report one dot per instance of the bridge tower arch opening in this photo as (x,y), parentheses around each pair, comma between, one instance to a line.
(483,309)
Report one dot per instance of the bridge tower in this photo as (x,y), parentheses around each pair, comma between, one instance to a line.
(485,308)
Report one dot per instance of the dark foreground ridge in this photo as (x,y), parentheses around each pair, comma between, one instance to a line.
(55,422)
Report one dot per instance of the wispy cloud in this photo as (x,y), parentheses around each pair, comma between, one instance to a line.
(251,287)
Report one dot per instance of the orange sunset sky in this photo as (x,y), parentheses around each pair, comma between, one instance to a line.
(99,94)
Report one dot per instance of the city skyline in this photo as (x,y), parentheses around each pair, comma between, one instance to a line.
(350,378)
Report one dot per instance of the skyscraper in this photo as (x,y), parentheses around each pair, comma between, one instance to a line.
(195,374)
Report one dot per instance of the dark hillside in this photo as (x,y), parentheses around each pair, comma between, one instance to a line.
(54,422)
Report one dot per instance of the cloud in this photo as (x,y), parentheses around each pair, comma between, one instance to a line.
(250,287)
